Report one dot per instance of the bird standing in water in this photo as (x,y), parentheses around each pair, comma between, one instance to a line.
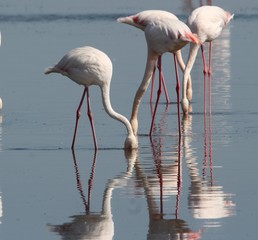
(89,66)
(162,35)
(207,22)
(140,20)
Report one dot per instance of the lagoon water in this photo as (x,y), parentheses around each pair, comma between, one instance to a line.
(200,186)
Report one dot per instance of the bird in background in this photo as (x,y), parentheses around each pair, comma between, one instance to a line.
(89,66)
(162,35)
(140,20)
(207,22)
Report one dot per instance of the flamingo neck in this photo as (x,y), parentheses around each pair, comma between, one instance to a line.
(191,59)
(150,65)
(131,141)
(189,65)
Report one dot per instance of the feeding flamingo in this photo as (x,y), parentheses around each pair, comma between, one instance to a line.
(207,22)
(140,20)
(162,35)
(89,66)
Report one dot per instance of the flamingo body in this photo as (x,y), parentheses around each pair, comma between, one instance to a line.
(89,66)
(83,66)
(208,22)
(168,35)
(142,19)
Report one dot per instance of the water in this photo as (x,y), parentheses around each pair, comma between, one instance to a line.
(202,186)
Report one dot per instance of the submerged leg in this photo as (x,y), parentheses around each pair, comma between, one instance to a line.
(78,114)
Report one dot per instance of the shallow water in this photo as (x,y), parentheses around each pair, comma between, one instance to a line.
(200,186)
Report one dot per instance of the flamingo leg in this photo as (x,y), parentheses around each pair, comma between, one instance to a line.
(162,79)
(91,120)
(204,77)
(178,94)
(78,115)
(210,73)
(156,104)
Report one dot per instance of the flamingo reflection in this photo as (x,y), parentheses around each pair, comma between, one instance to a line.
(206,199)
(1,121)
(95,225)
(1,208)
(1,132)
(168,167)
(86,203)
(160,184)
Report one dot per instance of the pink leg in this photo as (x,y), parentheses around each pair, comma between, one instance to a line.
(91,120)
(156,104)
(204,77)
(210,73)
(78,114)
(178,94)
(161,78)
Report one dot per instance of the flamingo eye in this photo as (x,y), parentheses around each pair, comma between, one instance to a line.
(136,19)
(179,35)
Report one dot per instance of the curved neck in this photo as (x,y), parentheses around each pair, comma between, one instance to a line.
(150,65)
(105,91)
(189,65)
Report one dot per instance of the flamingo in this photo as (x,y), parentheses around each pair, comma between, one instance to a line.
(162,35)
(140,20)
(207,22)
(89,66)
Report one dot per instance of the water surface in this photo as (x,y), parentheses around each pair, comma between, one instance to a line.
(200,186)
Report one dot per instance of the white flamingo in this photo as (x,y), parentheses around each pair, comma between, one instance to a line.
(163,35)
(89,66)
(140,20)
(207,22)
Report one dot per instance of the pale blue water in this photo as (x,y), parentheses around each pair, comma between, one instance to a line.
(203,186)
